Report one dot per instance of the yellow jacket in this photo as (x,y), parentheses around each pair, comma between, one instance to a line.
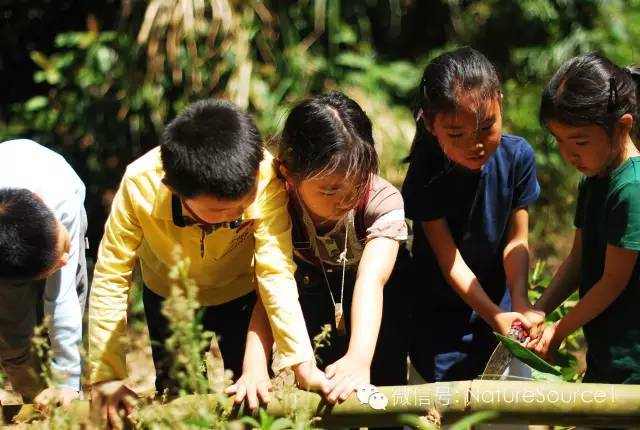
(140,226)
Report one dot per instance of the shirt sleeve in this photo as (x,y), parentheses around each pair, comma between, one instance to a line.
(384,212)
(62,305)
(422,190)
(623,221)
(109,290)
(527,188)
(274,273)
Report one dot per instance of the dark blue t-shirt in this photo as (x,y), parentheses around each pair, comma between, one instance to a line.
(477,206)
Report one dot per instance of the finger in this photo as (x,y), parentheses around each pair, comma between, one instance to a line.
(252,397)
(330,371)
(328,385)
(104,412)
(231,389)
(525,322)
(114,417)
(532,343)
(129,403)
(338,389)
(41,401)
(348,390)
(263,391)
(241,393)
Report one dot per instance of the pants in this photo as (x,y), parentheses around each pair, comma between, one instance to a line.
(229,321)
(449,342)
(21,310)
(389,365)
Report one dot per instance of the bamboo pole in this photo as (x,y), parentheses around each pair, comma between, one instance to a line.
(516,402)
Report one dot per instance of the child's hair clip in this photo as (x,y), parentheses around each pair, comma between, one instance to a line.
(613,94)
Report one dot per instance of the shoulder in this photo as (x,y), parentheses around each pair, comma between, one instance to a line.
(21,153)
(383,199)
(382,194)
(516,148)
(27,164)
(146,167)
(626,183)
(144,174)
(271,194)
(26,147)
(268,179)
(384,214)
(148,163)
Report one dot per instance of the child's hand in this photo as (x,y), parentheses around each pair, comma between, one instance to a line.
(108,400)
(54,397)
(536,318)
(504,320)
(309,377)
(252,384)
(345,376)
(548,343)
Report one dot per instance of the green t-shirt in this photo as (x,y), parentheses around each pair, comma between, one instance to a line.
(608,213)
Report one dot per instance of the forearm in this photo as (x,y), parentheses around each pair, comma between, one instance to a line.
(366,316)
(374,270)
(516,267)
(63,310)
(106,330)
(467,286)
(65,328)
(563,284)
(456,271)
(599,298)
(259,339)
(274,268)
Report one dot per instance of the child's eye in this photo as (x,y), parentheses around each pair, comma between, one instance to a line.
(454,136)
(581,143)
(487,127)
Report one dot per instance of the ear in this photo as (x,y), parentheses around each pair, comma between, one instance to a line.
(164,182)
(428,125)
(62,261)
(285,172)
(624,124)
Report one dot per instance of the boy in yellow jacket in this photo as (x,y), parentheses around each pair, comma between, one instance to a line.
(210,188)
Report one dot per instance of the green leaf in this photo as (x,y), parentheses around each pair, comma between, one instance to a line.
(250,421)
(40,59)
(281,424)
(526,356)
(200,422)
(36,103)
(351,59)
(476,418)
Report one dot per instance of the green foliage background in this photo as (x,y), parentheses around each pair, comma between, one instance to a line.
(99,86)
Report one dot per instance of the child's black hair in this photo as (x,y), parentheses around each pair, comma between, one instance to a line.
(329,133)
(212,148)
(446,79)
(590,89)
(28,235)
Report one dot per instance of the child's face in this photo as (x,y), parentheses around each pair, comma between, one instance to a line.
(587,148)
(63,247)
(471,134)
(212,210)
(328,197)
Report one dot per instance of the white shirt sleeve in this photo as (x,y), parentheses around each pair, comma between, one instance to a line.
(62,306)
